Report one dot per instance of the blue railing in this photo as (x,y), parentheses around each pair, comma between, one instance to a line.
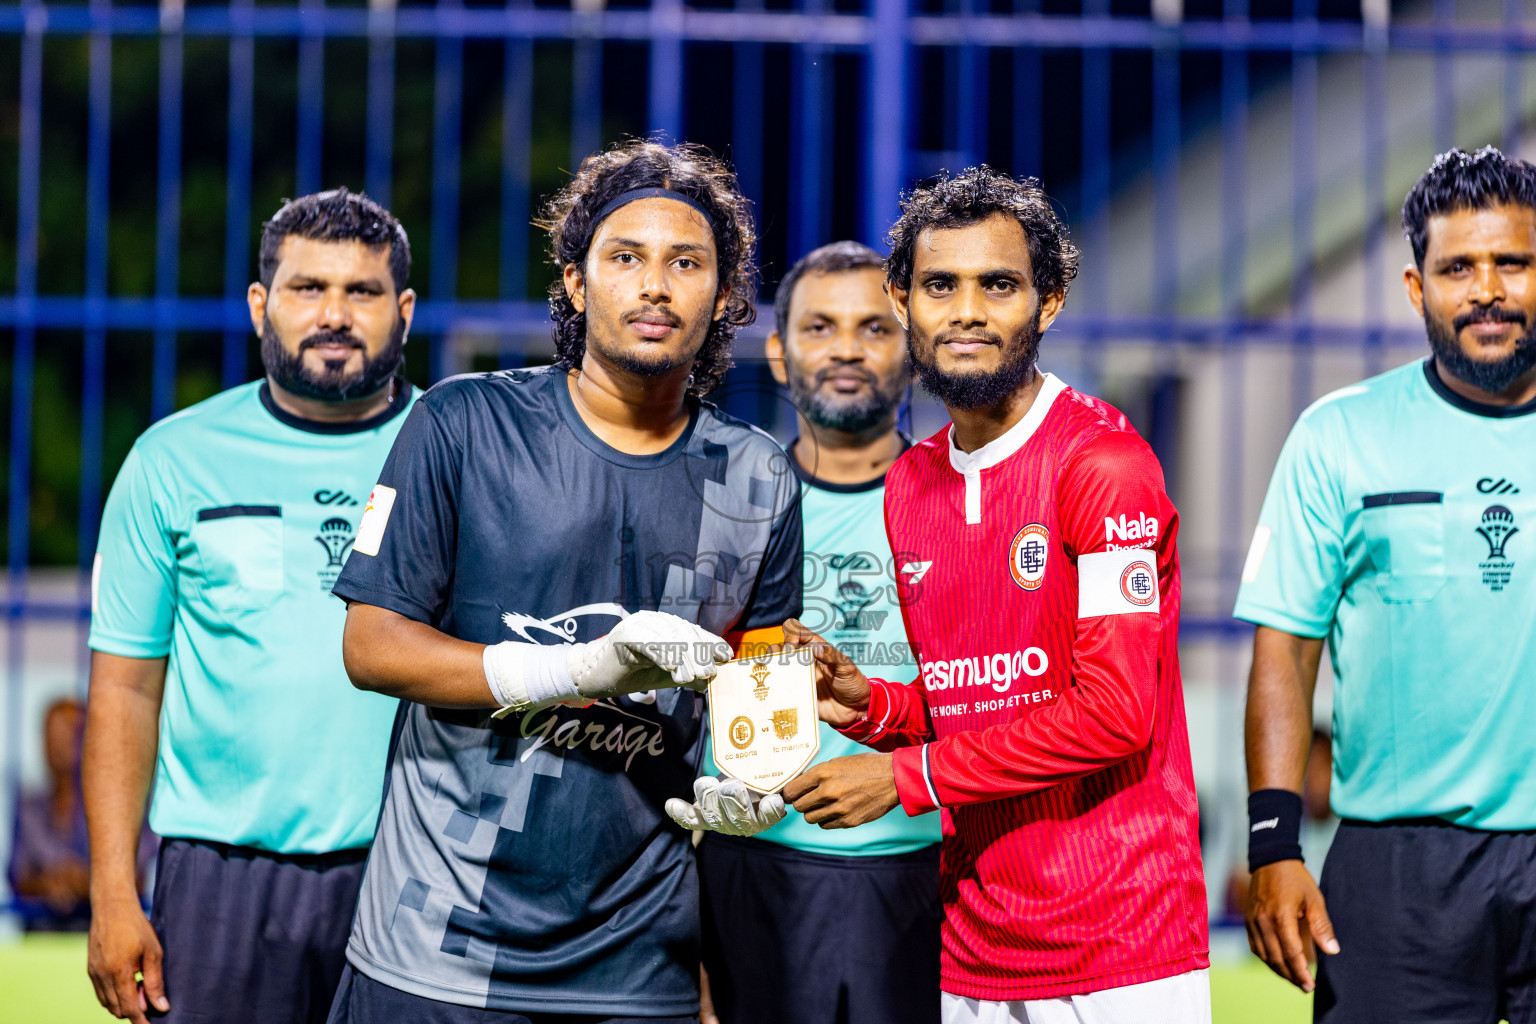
(875,97)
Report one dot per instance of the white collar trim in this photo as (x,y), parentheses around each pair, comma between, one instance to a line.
(998,449)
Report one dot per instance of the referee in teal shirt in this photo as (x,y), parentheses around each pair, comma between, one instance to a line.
(1400,527)
(802,924)
(216,671)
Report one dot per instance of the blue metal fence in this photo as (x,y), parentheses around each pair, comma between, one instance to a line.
(878,92)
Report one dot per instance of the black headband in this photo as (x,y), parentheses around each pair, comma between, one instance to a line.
(625,198)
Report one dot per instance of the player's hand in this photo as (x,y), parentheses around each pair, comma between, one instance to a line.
(1287,921)
(842,691)
(646,651)
(123,944)
(845,791)
(726,806)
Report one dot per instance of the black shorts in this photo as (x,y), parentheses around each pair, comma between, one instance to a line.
(1436,924)
(361,1000)
(806,938)
(251,936)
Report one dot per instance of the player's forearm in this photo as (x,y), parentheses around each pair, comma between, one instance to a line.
(1278,722)
(390,654)
(117,769)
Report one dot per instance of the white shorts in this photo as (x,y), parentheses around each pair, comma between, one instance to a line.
(1182,999)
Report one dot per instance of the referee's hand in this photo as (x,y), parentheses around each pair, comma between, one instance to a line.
(842,691)
(1287,921)
(123,947)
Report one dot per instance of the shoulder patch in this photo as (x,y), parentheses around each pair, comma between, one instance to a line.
(1256,553)
(370,532)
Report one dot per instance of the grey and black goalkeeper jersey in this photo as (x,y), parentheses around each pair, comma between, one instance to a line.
(526,864)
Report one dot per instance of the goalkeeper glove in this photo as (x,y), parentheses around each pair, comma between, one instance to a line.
(646,651)
(726,806)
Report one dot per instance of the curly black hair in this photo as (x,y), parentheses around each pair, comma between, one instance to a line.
(971,196)
(1459,180)
(642,163)
(336,216)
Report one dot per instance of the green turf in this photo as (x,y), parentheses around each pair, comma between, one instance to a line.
(42,981)
(1247,992)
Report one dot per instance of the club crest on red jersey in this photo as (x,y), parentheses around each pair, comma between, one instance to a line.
(1138,583)
(1027,556)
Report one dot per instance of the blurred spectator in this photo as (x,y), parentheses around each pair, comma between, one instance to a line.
(50,857)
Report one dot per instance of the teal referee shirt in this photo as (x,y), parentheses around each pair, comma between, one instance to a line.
(224,531)
(849,578)
(1401,525)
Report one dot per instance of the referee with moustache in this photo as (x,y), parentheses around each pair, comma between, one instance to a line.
(851,916)
(216,672)
(1394,529)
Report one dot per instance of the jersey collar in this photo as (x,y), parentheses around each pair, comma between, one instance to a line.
(396,407)
(811,480)
(970,464)
(1498,412)
(558,379)
(995,451)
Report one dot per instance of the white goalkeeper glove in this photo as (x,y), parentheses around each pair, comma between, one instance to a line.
(646,651)
(726,806)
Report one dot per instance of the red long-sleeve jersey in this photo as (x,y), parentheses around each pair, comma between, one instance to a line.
(1039,581)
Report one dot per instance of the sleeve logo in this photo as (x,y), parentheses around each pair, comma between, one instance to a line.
(1256,551)
(1138,583)
(370,532)
(1140,532)
(1027,556)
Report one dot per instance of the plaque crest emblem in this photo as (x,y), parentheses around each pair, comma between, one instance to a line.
(758,713)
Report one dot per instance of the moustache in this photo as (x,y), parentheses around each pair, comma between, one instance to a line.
(824,375)
(991,337)
(659,311)
(1488,314)
(331,338)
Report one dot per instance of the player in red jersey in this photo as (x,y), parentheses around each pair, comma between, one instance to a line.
(1039,581)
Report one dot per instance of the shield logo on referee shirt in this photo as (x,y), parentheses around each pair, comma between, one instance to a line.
(757,706)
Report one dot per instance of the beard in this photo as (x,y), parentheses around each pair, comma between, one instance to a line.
(851,414)
(977,389)
(647,359)
(332,383)
(1493,376)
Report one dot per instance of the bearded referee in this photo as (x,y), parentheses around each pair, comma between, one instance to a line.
(1396,529)
(216,672)
(567,545)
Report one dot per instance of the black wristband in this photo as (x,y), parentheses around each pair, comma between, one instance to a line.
(1274,827)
